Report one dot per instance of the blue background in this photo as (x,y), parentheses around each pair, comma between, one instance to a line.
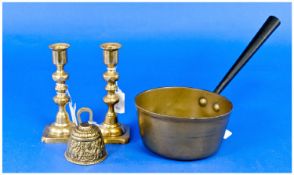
(164,44)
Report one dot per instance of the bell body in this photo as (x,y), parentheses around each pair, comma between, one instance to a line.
(86,145)
(182,123)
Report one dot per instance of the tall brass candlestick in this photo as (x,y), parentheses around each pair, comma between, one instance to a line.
(112,130)
(59,131)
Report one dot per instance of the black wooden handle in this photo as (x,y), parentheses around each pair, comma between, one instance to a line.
(264,32)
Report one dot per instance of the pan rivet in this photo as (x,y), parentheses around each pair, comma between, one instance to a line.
(202,101)
(216,107)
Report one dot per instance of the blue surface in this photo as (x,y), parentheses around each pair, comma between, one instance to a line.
(164,44)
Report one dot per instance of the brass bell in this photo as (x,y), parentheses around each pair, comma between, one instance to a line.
(85,145)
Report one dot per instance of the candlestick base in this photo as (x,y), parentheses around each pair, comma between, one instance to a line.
(57,134)
(115,134)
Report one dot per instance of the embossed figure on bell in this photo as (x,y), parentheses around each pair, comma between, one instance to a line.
(85,145)
(112,130)
(60,130)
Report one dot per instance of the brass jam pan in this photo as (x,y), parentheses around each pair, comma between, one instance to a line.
(186,123)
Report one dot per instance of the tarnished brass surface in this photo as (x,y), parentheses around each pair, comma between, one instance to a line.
(59,131)
(182,123)
(186,123)
(85,145)
(112,130)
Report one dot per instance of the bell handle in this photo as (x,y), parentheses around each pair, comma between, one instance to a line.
(264,32)
(85,109)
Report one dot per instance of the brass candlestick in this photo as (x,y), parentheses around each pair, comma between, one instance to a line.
(59,131)
(112,130)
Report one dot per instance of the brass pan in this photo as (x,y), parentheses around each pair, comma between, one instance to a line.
(186,123)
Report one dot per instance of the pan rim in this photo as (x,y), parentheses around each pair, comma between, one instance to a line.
(154,114)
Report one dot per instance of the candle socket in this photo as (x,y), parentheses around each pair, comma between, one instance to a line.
(59,131)
(112,130)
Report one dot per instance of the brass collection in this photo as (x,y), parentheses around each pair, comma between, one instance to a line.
(179,123)
(86,141)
